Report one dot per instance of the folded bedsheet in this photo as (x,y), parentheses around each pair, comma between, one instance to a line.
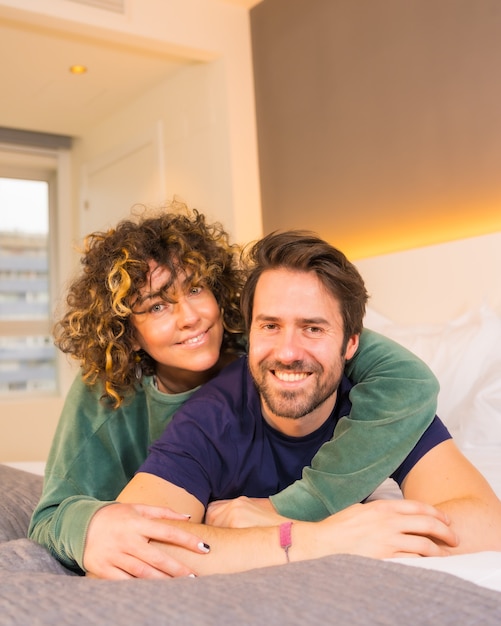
(481,568)
(340,589)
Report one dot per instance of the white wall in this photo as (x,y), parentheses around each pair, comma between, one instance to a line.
(220,164)
(201,123)
(177,143)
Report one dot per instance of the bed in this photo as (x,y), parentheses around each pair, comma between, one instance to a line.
(443,303)
(36,590)
(465,354)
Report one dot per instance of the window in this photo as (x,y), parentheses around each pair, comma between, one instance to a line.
(28,358)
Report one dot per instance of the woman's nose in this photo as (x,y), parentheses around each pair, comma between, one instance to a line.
(187,312)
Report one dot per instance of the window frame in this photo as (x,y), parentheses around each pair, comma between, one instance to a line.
(52,166)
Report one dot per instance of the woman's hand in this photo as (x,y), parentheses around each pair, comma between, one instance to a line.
(118,543)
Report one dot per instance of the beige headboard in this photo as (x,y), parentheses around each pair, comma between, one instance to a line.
(435,283)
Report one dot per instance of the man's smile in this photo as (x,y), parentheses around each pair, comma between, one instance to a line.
(290,377)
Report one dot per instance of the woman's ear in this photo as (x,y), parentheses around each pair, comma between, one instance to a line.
(135,343)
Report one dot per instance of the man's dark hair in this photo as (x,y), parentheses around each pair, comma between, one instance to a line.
(304,251)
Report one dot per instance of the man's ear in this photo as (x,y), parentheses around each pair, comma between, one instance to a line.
(351,347)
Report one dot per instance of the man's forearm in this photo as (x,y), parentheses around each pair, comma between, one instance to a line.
(233,550)
(241,549)
(381,529)
(476,522)
(446,479)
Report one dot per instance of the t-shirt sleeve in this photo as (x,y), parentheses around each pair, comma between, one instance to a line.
(435,433)
(186,454)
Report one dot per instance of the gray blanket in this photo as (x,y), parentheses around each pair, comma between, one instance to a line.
(341,589)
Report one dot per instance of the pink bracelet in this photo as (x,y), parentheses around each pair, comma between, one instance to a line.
(286,538)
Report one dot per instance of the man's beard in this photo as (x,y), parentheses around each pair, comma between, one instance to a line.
(295,404)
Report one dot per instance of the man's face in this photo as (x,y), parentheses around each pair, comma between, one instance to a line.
(295,348)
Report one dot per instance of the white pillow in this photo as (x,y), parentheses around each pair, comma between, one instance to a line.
(465,355)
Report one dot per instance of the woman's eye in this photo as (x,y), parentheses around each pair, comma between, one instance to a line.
(158,307)
(194,291)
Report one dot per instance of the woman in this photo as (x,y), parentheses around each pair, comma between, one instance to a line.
(155,314)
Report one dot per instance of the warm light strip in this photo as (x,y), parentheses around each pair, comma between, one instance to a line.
(360,245)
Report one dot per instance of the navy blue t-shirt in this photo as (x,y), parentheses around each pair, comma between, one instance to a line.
(218,445)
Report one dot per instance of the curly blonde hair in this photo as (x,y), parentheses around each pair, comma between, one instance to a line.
(96,328)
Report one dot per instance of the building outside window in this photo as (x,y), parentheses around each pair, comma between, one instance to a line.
(27,353)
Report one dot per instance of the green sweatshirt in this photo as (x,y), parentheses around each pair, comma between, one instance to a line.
(96,449)
(393,402)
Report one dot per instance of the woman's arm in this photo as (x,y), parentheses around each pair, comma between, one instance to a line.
(394,400)
(92,457)
(71,493)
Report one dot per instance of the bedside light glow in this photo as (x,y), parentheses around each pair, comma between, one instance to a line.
(78,69)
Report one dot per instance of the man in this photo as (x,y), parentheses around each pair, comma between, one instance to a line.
(252,430)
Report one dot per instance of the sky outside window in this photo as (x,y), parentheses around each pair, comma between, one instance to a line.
(24,206)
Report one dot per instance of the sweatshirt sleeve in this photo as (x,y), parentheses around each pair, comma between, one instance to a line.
(84,472)
(394,400)
(62,528)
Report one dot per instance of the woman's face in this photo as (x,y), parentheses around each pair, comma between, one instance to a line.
(183,336)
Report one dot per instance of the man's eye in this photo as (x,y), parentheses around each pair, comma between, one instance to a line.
(194,291)
(314,330)
(269,326)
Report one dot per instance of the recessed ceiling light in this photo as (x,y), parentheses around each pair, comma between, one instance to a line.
(78,69)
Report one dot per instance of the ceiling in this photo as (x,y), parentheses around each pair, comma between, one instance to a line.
(40,94)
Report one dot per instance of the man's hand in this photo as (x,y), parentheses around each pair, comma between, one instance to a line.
(118,543)
(380,529)
(243,512)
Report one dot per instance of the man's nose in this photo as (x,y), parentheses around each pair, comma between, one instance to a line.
(288,347)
